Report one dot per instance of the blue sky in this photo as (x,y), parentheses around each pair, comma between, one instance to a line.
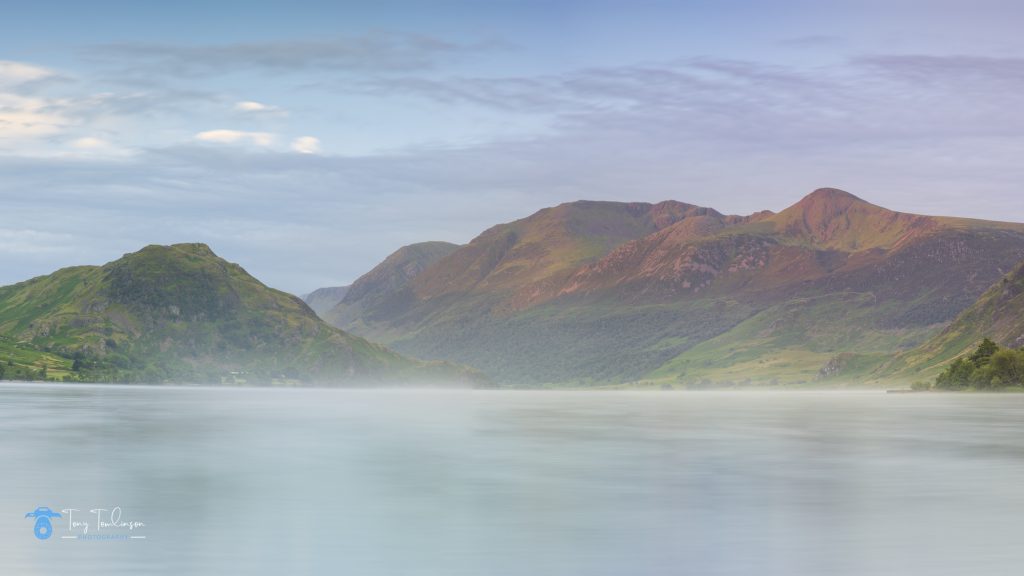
(307,140)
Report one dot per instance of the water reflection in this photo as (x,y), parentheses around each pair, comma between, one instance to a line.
(496,483)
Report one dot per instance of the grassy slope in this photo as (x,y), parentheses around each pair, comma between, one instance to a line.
(792,342)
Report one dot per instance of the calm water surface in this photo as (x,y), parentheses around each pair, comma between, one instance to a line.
(447,483)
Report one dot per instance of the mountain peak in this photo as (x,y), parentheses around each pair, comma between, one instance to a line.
(196,248)
(831,195)
(821,207)
(833,218)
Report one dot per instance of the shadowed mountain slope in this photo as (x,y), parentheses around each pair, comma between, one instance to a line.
(386,287)
(998,314)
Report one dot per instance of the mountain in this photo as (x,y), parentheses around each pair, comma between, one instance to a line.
(180,313)
(323,299)
(998,314)
(505,268)
(604,292)
(385,286)
(511,260)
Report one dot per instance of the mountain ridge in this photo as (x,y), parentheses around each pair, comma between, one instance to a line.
(592,292)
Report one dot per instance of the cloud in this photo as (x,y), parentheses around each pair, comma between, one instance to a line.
(89,143)
(14,73)
(306,145)
(24,118)
(223,136)
(252,107)
(373,53)
(907,132)
(739,103)
(43,112)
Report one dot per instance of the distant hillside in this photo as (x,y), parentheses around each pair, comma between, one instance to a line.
(323,299)
(604,292)
(998,314)
(386,286)
(180,313)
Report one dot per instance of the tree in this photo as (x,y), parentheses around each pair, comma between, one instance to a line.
(3,370)
(956,376)
(981,378)
(976,370)
(1008,366)
(984,353)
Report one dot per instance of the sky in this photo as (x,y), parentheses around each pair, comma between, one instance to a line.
(308,140)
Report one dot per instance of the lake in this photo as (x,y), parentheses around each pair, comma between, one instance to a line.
(493,483)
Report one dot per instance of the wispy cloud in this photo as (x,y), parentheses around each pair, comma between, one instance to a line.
(883,97)
(252,107)
(376,52)
(223,136)
(24,118)
(910,132)
(306,145)
(14,73)
(89,143)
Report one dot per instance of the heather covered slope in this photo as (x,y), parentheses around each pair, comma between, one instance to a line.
(512,263)
(825,290)
(180,313)
(508,267)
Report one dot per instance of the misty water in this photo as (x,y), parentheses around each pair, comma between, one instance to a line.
(273,481)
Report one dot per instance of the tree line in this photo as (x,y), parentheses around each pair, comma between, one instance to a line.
(989,367)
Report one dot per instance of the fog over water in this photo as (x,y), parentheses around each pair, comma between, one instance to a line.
(274,481)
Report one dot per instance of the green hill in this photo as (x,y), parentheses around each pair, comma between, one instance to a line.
(180,313)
